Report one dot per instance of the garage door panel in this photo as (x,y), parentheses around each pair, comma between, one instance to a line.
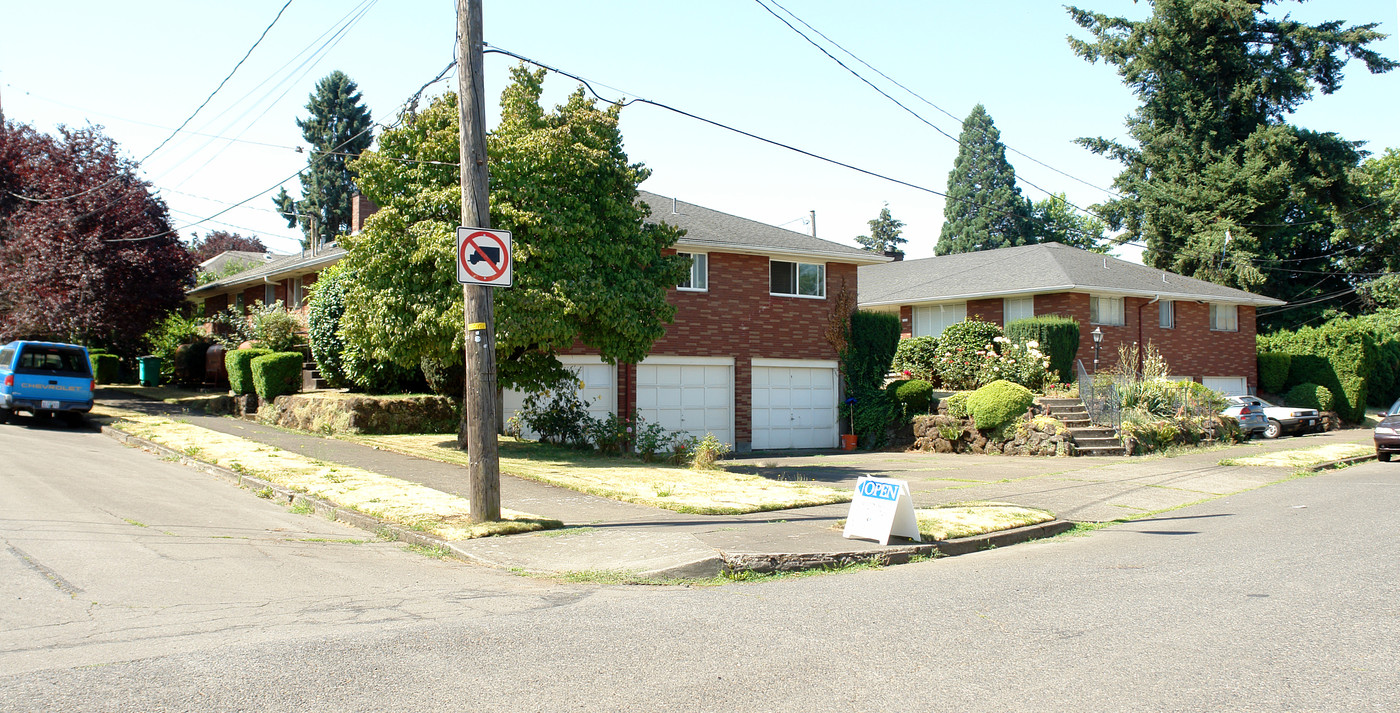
(1229,385)
(794,407)
(596,387)
(694,399)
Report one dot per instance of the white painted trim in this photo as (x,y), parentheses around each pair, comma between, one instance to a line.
(592,360)
(1259,301)
(687,361)
(690,245)
(798,363)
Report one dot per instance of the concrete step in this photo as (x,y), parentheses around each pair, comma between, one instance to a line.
(1083,443)
(1106,451)
(1093,432)
(1057,402)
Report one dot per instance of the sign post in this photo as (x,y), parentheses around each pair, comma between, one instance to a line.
(881,509)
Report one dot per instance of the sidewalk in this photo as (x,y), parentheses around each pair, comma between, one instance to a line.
(604,535)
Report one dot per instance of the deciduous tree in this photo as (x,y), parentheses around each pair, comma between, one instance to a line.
(218,241)
(86,248)
(588,266)
(1056,221)
(985,209)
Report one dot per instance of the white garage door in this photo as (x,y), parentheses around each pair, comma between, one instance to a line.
(693,395)
(794,404)
(599,391)
(1228,385)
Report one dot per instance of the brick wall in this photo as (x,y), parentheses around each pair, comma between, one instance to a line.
(737,317)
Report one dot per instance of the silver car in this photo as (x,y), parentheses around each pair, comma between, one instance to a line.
(1283,419)
(1252,419)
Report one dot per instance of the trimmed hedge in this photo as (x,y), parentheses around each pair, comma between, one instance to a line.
(239,365)
(106,368)
(999,403)
(1310,396)
(1341,355)
(874,339)
(1057,336)
(277,374)
(1273,371)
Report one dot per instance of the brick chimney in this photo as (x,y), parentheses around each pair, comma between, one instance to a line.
(361,208)
(898,255)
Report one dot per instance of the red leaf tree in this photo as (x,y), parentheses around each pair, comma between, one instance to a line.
(216,242)
(86,248)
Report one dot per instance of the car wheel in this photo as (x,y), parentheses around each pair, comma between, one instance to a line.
(74,419)
(1273,429)
(4,415)
(1383,457)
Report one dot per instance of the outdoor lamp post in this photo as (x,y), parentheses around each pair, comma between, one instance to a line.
(1097,334)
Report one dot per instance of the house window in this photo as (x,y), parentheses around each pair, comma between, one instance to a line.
(1014,308)
(1106,310)
(269,294)
(1224,318)
(238,302)
(930,321)
(798,279)
(1166,314)
(296,293)
(699,278)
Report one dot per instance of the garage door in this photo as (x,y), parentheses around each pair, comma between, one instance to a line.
(688,394)
(1228,385)
(794,404)
(599,391)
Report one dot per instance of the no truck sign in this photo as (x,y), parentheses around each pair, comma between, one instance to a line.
(483,257)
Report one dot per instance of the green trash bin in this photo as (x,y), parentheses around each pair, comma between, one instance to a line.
(150,371)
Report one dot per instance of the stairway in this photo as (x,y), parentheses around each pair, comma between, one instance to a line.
(1089,440)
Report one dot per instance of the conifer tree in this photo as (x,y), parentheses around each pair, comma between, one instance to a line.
(338,129)
(985,209)
(884,233)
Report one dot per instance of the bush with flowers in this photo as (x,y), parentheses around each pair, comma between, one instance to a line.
(959,362)
(1019,363)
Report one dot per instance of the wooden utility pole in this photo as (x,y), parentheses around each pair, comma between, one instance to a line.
(477,433)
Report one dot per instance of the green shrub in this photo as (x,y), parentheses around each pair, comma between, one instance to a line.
(918,356)
(106,368)
(1057,337)
(914,396)
(957,404)
(1341,355)
(276,374)
(874,410)
(1163,398)
(1273,371)
(1018,363)
(960,343)
(1310,396)
(874,338)
(239,365)
(444,379)
(273,327)
(323,312)
(999,403)
(168,334)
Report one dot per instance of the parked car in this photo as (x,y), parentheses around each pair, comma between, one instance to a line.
(1284,419)
(45,379)
(1252,419)
(1387,434)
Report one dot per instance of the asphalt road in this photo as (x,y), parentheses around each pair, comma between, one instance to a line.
(131,584)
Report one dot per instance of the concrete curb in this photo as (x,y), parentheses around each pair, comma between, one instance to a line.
(1340,462)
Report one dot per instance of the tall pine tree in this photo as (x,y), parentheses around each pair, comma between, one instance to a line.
(985,209)
(884,233)
(338,129)
(1215,181)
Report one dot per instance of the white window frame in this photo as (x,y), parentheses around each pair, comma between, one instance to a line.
(1166,314)
(295,293)
(931,320)
(1096,316)
(1023,306)
(797,279)
(1218,317)
(699,273)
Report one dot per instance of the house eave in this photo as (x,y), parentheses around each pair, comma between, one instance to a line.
(1256,300)
(826,256)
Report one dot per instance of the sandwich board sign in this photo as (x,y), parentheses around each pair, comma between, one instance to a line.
(882,508)
(483,257)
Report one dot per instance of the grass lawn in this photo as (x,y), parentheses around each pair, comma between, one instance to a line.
(1303,457)
(686,490)
(390,499)
(955,520)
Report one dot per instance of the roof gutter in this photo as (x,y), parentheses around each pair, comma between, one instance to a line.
(1257,300)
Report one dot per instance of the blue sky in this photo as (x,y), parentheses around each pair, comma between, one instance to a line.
(139,73)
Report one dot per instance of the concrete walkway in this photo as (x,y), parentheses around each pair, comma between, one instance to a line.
(607,535)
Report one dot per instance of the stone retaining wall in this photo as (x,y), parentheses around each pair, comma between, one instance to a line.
(1030,435)
(362,414)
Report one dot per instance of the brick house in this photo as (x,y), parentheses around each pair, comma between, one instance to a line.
(1204,331)
(286,278)
(746,357)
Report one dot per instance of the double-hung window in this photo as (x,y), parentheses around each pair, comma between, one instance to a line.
(1014,308)
(269,294)
(1166,314)
(699,278)
(1106,310)
(1224,318)
(930,321)
(798,279)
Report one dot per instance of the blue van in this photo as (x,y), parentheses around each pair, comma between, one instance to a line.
(45,378)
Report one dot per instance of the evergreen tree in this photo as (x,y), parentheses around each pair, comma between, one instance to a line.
(1212,160)
(338,130)
(884,233)
(1056,221)
(985,209)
